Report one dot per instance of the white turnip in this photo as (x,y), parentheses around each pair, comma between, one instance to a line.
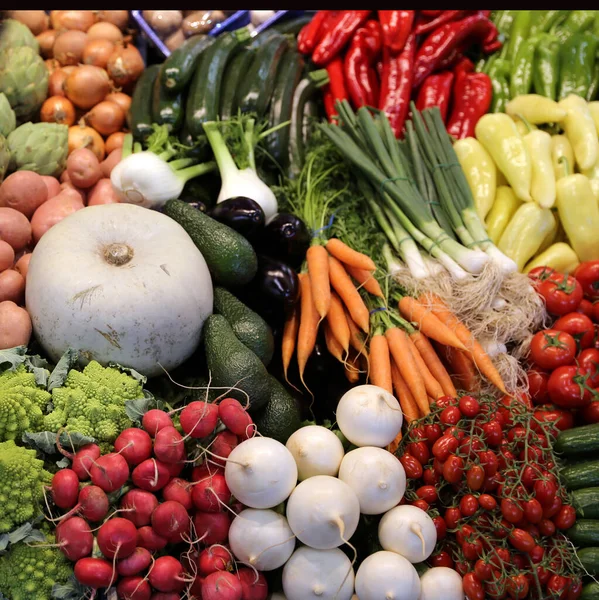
(75,538)
(117,538)
(141,504)
(316,450)
(441,583)
(134,445)
(387,576)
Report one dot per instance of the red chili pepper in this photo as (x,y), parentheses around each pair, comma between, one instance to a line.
(463,65)
(336,84)
(431,13)
(440,44)
(397,26)
(491,42)
(472,98)
(329,102)
(447,16)
(396,84)
(344,26)
(436,91)
(308,37)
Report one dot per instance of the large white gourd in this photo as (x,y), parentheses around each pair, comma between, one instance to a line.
(119,283)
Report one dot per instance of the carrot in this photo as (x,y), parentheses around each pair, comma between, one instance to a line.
(403,394)
(432,386)
(348,293)
(337,322)
(380,359)
(367,280)
(352,371)
(333,345)
(308,327)
(356,337)
(463,371)
(479,356)
(433,362)
(428,323)
(400,350)
(318,269)
(394,445)
(349,256)
(289,338)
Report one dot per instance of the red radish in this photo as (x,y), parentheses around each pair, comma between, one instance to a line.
(117,537)
(237,507)
(210,494)
(167,575)
(144,504)
(134,563)
(165,596)
(75,538)
(84,459)
(212,528)
(175,468)
(147,538)
(94,572)
(150,475)
(92,503)
(169,446)
(110,472)
(215,558)
(235,417)
(221,585)
(199,419)
(134,588)
(178,490)
(222,446)
(170,520)
(206,470)
(155,420)
(134,445)
(253,584)
(65,488)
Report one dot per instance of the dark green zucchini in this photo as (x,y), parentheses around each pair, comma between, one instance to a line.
(261,38)
(581,475)
(292,26)
(167,107)
(586,502)
(234,75)
(585,532)
(140,112)
(579,440)
(590,591)
(589,557)
(180,66)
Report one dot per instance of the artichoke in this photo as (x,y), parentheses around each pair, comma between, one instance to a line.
(8,119)
(39,147)
(13,34)
(4,157)
(24,80)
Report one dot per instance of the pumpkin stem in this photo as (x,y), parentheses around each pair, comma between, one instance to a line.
(118,254)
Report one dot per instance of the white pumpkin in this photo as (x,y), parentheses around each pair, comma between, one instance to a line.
(119,283)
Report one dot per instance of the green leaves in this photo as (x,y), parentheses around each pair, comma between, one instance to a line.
(45,441)
(67,361)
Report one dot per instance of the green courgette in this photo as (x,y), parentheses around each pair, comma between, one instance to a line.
(581,475)
(579,440)
(234,74)
(585,532)
(586,502)
(292,26)
(179,67)
(590,591)
(589,557)
(262,38)
(167,107)
(140,113)
(203,100)
(259,83)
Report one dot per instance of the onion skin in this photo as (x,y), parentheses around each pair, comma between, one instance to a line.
(105,31)
(15,325)
(52,65)
(46,41)
(86,137)
(68,47)
(80,20)
(57,81)
(125,65)
(120,18)
(97,52)
(123,100)
(57,109)
(115,141)
(37,20)
(106,117)
(86,86)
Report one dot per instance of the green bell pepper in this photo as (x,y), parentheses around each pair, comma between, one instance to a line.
(518,32)
(577,60)
(522,67)
(577,21)
(545,73)
(499,73)
(547,20)
(503,20)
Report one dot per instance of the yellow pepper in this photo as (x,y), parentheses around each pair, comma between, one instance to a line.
(504,207)
(499,135)
(525,233)
(480,172)
(501,180)
(581,131)
(579,214)
(523,128)
(595,188)
(594,110)
(561,146)
(551,236)
(559,257)
(542,187)
(535,109)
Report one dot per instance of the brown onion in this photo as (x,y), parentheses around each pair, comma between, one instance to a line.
(36,20)
(68,47)
(86,86)
(125,65)
(105,31)
(58,109)
(115,141)
(81,136)
(57,80)
(97,52)
(52,65)
(106,117)
(46,41)
(123,100)
(80,20)
(120,18)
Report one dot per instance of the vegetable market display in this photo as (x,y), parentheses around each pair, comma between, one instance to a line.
(307,309)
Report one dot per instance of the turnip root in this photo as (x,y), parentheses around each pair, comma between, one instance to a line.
(141,504)
(170,520)
(441,583)
(151,475)
(134,445)
(316,450)
(389,576)
(75,538)
(212,528)
(210,494)
(135,563)
(110,472)
(323,512)
(215,558)
(117,537)
(261,538)
(198,419)
(65,488)
(147,538)
(94,572)
(134,588)
(167,575)
(155,420)
(221,585)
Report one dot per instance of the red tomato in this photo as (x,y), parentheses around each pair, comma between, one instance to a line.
(595,316)
(545,491)
(430,476)
(590,412)
(537,386)
(533,510)
(473,549)
(444,446)
(540,274)
(475,477)
(561,294)
(558,586)
(511,511)
(517,587)
(452,517)
(487,502)
(445,401)
(453,469)
(493,433)
(483,570)
(575,590)
(469,406)
(565,518)
(470,446)
(546,527)
(464,534)
(462,567)
(473,588)
(587,274)
(420,451)
(579,326)
(428,493)
(551,349)
(537,554)
(532,529)
(566,387)
(489,462)
(417,434)
(432,433)
(529,476)
(522,540)
(550,510)
(468,505)
(421,504)
(562,419)
(450,415)
(440,526)
(588,360)
(411,466)
(441,559)
(586,308)
(543,574)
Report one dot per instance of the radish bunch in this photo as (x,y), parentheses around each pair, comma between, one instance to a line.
(166,535)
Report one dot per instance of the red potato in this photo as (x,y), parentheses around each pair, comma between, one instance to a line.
(147,538)
(64,177)
(178,490)
(117,538)
(253,584)
(170,520)
(52,185)
(83,168)
(212,528)
(65,488)
(22,265)
(144,504)
(198,419)
(134,445)
(94,572)
(151,475)
(81,193)
(135,563)
(155,420)
(75,538)
(111,161)
(15,325)
(221,585)
(169,446)
(14,228)
(7,256)
(24,191)
(167,575)
(134,588)
(53,211)
(110,472)
(12,286)
(84,459)
(102,193)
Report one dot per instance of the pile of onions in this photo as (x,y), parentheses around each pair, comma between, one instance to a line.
(58,109)
(68,47)
(86,86)
(105,31)
(121,99)
(80,20)
(82,136)
(125,65)
(97,52)
(106,117)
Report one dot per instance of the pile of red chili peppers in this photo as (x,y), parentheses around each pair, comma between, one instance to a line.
(403,54)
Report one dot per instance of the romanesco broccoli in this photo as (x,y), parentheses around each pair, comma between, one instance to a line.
(28,572)
(92,402)
(22,403)
(22,476)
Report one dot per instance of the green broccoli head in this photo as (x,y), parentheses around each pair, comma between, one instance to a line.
(30,571)
(22,404)
(22,477)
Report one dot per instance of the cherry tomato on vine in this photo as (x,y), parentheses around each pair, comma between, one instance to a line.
(550,510)
(430,476)
(433,433)
(489,462)
(493,433)
(452,517)
(586,308)
(587,274)
(574,590)
(511,511)
(473,549)
(475,477)
(568,387)
(468,505)
(453,469)
(441,559)
(440,526)
(562,294)
(420,451)
(462,567)
(558,586)
(521,540)
(565,518)
(445,401)
(543,574)
(469,406)
(483,570)
(545,491)
(444,446)
(537,554)
(411,466)
(596,312)
(487,502)
(537,386)
(533,511)
(540,274)
(546,527)
(588,360)
(551,348)
(421,504)
(517,586)
(590,412)
(450,415)
(562,419)
(428,493)
(464,534)
(579,326)
(473,588)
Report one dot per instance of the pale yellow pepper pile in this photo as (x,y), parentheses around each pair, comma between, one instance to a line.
(538,193)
